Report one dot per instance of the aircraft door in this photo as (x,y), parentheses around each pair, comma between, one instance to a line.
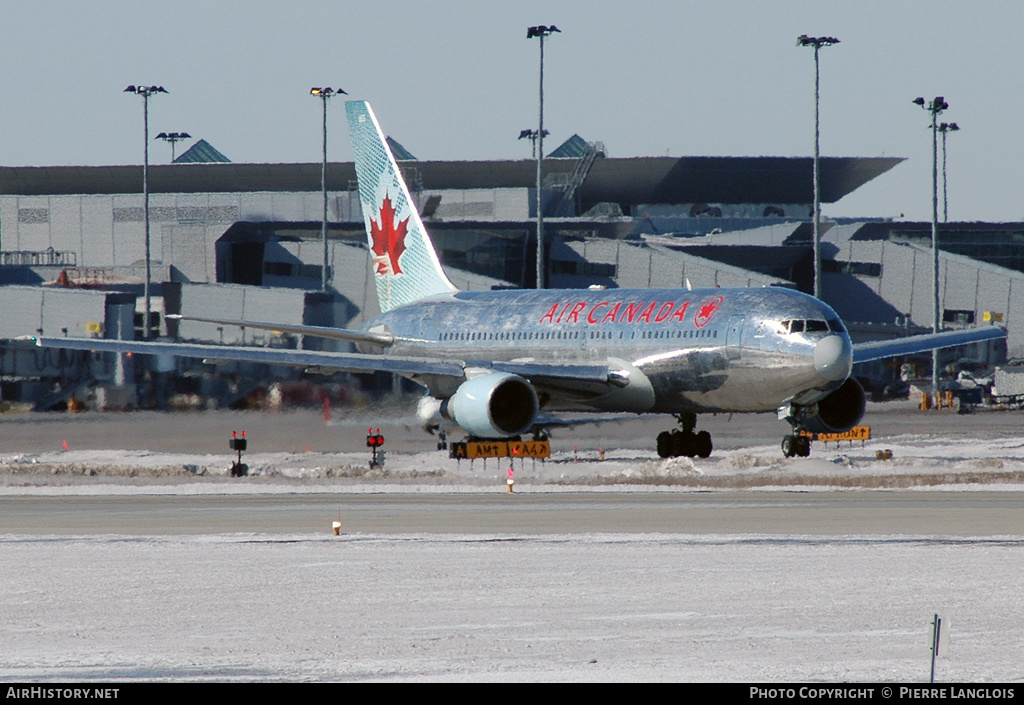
(734,337)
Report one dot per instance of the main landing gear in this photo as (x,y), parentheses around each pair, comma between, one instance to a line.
(683,441)
(796,445)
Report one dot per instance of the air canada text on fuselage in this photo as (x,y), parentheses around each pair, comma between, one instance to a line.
(631,312)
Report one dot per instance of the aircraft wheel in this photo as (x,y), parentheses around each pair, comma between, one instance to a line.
(789,446)
(803,446)
(679,443)
(703,444)
(664,444)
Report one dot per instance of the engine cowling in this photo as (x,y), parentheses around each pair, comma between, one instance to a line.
(839,411)
(495,405)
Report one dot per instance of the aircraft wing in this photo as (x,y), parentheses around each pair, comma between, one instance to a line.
(879,349)
(348,362)
(540,372)
(355,336)
(562,374)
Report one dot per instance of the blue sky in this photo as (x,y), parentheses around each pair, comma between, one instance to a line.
(458,80)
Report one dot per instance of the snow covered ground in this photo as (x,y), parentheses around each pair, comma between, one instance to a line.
(920,460)
(509,607)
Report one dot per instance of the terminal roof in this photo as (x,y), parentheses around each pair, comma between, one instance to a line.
(629,180)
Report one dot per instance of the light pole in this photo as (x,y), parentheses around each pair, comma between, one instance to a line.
(817,42)
(173,138)
(944,128)
(146,92)
(935,107)
(540,31)
(324,94)
(532,136)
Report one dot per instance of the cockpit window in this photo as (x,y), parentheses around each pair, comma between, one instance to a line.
(798,325)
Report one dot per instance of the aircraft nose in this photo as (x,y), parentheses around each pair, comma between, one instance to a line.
(833,357)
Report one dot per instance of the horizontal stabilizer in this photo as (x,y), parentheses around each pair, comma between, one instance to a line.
(880,349)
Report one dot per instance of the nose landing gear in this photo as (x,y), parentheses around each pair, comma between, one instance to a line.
(683,441)
(797,444)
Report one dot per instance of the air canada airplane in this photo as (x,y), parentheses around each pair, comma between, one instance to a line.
(496,363)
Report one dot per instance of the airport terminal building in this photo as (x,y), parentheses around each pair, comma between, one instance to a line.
(241,241)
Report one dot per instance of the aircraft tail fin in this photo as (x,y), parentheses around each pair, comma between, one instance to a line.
(405,264)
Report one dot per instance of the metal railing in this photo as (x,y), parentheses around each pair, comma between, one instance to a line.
(44,258)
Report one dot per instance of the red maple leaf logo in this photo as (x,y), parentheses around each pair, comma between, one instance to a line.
(388,239)
(707,311)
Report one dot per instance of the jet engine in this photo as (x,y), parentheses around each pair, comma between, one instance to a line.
(839,411)
(495,405)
